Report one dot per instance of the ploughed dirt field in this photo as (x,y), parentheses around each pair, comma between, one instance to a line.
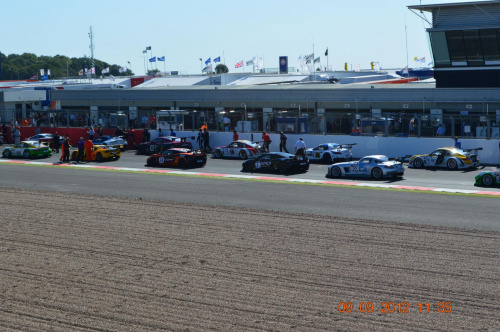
(71,262)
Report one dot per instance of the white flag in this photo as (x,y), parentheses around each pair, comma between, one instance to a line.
(42,72)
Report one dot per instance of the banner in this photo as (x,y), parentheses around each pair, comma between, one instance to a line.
(283,65)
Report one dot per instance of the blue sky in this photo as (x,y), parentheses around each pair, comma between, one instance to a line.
(355,31)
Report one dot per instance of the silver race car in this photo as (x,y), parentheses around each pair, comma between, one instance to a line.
(330,152)
(376,167)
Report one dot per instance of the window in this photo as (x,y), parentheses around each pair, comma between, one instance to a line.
(456,48)
(491,46)
(440,49)
(473,48)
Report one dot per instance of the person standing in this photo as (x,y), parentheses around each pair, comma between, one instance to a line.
(458,144)
(12,131)
(172,132)
(38,130)
(283,139)
(55,142)
(206,139)
(81,149)
(267,140)
(440,130)
(200,138)
(5,134)
(99,131)
(91,133)
(17,135)
(235,135)
(65,150)
(300,147)
(89,147)
(160,133)
(145,135)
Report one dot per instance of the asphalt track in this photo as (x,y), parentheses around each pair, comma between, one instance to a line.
(464,211)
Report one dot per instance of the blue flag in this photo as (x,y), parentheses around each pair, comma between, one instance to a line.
(208,61)
(217,59)
(161,59)
(153,59)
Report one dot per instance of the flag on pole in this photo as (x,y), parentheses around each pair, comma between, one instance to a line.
(421,60)
(326,52)
(317,60)
(122,70)
(144,52)
(207,69)
(105,71)
(217,59)
(251,62)
(92,70)
(42,72)
(239,64)
(153,59)
(208,61)
(80,72)
(161,58)
(148,48)
(309,57)
(48,70)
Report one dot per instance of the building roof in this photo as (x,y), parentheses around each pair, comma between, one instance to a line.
(430,8)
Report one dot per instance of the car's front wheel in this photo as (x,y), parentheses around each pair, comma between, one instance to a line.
(452,164)
(282,168)
(183,163)
(218,154)
(418,163)
(26,154)
(377,173)
(487,180)
(247,167)
(336,172)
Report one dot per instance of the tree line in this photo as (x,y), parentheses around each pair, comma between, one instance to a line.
(25,66)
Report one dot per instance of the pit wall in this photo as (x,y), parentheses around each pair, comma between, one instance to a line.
(392,147)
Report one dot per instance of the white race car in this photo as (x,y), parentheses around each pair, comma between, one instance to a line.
(377,167)
(330,152)
(240,149)
(450,158)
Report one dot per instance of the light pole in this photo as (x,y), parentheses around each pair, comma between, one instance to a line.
(245,117)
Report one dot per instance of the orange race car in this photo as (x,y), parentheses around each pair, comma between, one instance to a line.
(178,157)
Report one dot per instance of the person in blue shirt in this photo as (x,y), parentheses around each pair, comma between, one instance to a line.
(458,144)
(172,132)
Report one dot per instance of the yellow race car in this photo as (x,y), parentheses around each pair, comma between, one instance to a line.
(100,153)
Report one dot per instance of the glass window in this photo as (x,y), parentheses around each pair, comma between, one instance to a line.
(456,48)
(473,48)
(491,46)
(440,49)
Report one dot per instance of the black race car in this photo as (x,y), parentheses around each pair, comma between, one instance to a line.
(163,143)
(277,161)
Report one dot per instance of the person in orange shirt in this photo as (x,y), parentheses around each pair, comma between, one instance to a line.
(89,146)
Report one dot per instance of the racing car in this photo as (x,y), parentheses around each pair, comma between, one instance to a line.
(277,161)
(240,149)
(330,152)
(112,141)
(488,178)
(163,143)
(28,149)
(450,158)
(101,153)
(376,167)
(178,157)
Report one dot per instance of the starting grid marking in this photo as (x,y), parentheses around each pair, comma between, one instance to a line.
(265,178)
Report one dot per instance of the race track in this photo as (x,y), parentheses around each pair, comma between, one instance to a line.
(94,249)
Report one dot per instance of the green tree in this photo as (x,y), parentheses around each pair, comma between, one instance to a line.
(221,69)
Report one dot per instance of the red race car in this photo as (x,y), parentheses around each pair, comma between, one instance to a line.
(182,158)
(163,143)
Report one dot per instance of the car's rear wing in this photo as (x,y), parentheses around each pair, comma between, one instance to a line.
(199,151)
(472,150)
(347,146)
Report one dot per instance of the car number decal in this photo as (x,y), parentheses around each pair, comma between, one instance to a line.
(161,160)
(354,168)
(265,164)
(257,164)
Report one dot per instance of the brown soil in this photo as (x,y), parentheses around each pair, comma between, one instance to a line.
(85,263)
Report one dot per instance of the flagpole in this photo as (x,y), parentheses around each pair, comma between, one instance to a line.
(327,55)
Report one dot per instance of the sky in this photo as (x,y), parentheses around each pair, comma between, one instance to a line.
(354,31)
